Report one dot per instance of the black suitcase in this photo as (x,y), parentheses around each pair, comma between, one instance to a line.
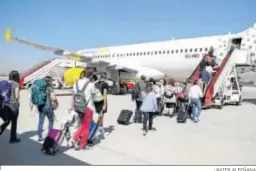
(124,117)
(183,113)
(182,117)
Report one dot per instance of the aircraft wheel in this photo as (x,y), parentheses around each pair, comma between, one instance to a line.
(114,90)
(239,102)
(221,104)
(123,88)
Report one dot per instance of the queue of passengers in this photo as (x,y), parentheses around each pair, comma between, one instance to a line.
(152,97)
(91,86)
(150,101)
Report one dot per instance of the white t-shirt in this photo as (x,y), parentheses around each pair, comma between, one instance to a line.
(209,69)
(195,92)
(89,91)
(157,90)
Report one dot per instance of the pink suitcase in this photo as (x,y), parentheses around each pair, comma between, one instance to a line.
(52,142)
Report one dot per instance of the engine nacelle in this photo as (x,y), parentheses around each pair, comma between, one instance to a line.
(71,75)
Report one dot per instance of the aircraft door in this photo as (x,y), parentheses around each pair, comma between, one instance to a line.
(234,43)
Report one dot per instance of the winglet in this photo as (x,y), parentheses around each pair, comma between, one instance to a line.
(8,35)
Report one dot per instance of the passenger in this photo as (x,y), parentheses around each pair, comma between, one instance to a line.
(169,96)
(178,91)
(202,64)
(178,87)
(196,94)
(162,85)
(86,117)
(157,90)
(211,52)
(10,113)
(137,95)
(148,108)
(94,78)
(48,109)
(101,105)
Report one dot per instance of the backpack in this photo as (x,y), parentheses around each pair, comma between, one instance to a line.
(98,95)
(169,96)
(38,93)
(183,95)
(80,102)
(5,93)
(136,91)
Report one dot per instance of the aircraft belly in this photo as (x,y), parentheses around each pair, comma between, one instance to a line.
(176,66)
(180,74)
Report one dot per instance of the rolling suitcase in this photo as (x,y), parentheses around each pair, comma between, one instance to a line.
(183,113)
(52,142)
(124,117)
(92,133)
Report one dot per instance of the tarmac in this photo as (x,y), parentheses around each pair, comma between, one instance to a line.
(222,137)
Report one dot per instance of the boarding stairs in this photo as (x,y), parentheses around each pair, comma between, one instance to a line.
(38,71)
(224,86)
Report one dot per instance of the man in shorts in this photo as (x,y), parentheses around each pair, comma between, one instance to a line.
(101,106)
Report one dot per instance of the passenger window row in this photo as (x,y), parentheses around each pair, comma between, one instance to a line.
(164,52)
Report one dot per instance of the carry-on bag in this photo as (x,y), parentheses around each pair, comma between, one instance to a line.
(124,117)
(183,114)
(52,142)
(92,133)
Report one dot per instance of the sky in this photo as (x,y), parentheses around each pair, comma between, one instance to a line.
(79,24)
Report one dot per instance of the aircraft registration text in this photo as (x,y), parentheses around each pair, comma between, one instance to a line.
(192,56)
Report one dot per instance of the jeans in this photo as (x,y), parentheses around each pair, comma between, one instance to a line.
(196,107)
(159,106)
(147,117)
(42,115)
(84,128)
(138,113)
(10,114)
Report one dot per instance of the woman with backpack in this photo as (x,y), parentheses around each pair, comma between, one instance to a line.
(170,96)
(47,110)
(10,111)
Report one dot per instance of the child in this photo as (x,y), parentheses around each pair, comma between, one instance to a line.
(148,108)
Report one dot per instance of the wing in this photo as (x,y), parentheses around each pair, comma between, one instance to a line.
(70,55)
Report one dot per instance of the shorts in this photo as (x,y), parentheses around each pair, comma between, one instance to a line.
(170,105)
(98,107)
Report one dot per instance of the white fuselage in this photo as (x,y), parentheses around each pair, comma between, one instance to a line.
(175,58)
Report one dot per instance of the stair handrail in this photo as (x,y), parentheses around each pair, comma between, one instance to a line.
(210,87)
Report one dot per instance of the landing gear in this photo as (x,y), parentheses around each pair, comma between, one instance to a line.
(117,87)
(219,102)
(238,103)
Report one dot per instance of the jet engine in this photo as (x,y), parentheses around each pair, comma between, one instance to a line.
(71,75)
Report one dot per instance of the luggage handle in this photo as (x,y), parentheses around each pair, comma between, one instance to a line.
(186,110)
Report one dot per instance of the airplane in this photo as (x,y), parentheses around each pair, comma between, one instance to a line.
(175,59)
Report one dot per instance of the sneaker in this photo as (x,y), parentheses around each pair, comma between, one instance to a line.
(40,139)
(196,120)
(144,132)
(15,140)
(85,148)
(75,145)
(101,130)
